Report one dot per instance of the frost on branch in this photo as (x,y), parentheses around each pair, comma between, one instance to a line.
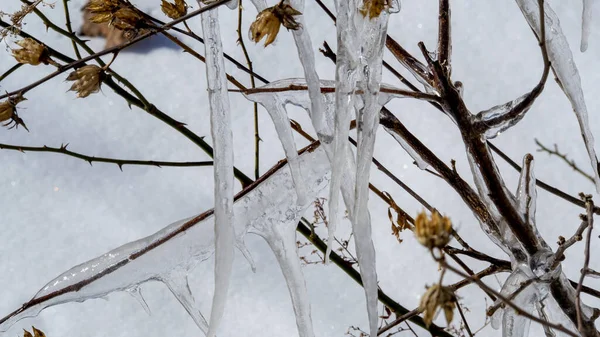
(561,60)
(222,136)
(267,208)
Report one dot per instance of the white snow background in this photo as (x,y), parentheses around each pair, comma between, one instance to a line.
(57,211)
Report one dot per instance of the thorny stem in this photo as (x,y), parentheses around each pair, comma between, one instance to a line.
(91,159)
(115,48)
(563,156)
(10,71)
(253,85)
(69,28)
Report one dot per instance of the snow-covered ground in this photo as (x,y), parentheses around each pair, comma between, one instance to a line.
(58,211)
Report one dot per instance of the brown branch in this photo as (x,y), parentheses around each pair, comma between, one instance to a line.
(586,262)
(444,48)
(91,159)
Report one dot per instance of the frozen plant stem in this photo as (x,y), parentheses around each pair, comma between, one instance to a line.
(220,120)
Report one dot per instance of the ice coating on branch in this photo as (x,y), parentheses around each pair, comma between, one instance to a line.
(220,121)
(421,163)
(527,197)
(561,60)
(275,107)
(586,23)
(169,254)
(498,111)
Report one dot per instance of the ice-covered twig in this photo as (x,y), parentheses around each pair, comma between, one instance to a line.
(220,121)
(561,58)
(586,261)
(169,254)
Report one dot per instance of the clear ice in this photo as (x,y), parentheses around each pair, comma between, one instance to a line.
(268,209)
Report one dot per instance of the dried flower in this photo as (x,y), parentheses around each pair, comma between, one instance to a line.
(174,10)
(87,80)
(268,21)
(435,298)
(36,333)
(114,36)
(373,8)
(434,232)
(117,13)
(8,112)
(31,52)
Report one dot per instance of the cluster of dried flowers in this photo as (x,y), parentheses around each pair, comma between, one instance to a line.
(36,333)
(269,21)
(434,232)
(120,14)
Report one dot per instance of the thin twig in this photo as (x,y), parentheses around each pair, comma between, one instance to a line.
(10,71)
(91,159)
(69,28)
(563,156)
(464,319)
(586,262)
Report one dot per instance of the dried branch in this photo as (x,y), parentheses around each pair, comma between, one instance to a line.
(444,48)
(586,262)
(563,156)
(91,159)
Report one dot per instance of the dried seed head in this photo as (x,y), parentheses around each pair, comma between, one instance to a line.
(37,332)
(8,112)
(435,298)
(268,21)
(373,8)
(434,232)
(117,13)
(31,52)
(87,80)
(174,10)
(27,333)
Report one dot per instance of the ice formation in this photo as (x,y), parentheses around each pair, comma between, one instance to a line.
(561,60)
(268,208)
(586,23)
(220,121)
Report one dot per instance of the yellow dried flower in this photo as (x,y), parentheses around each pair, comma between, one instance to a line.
(8,112)
(268,21)
(117,13)
(174,10)
(31,52)
(434,232)
(435,298)
(87,80)
(373,8)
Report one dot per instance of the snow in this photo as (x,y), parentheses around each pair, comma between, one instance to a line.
(93,210)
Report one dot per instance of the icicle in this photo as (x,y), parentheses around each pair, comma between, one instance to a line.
(275,108)
(168,254)
(136,293)
(541,308)
(306,55)
(232,4)
(487,116)
(512,283)
(586,23)
(372,35)
(220,120)
(561,60)
(177,282)
(346,76)
(241,245)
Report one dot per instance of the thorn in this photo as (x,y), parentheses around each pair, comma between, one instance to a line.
(90,161)
(120,166)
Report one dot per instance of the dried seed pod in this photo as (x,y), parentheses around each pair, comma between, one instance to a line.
(27,333)
(268,21)
(435,298)
(174,10)
(31,52)
(373,8)
(37,332)
(8,112)
(87,80)
(434,232)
